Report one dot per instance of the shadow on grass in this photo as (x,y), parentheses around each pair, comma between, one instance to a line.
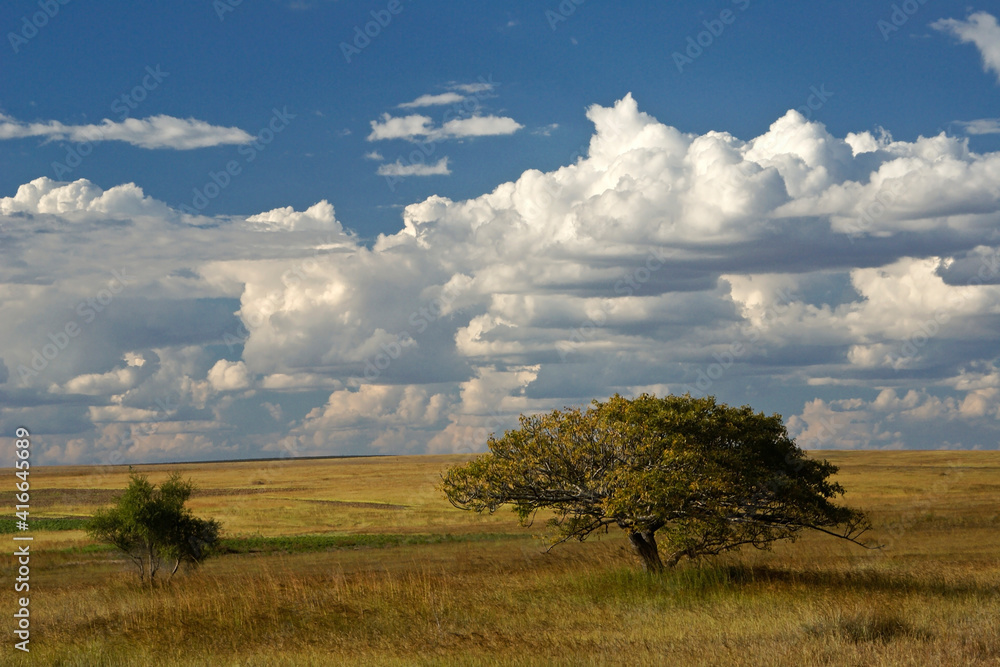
(709,578)
(867,581)
(881,626)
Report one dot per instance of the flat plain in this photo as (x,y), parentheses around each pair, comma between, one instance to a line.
(361,561)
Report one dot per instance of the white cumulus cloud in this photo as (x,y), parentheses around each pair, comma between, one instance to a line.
(398,168)
(980,126)
(153,132)
(228,376)
(417,127)
(433,100)
(980,29)
(319,216)
(851,283)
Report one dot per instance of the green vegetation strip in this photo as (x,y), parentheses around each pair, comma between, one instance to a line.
(71,523)
(304,543)
(308,543)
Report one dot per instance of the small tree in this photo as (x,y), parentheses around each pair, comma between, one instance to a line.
(151,526)
(705,476)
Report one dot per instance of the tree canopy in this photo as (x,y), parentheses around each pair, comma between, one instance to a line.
(704,476)
(152,526)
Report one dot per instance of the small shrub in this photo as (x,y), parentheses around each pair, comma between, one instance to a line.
(151,526)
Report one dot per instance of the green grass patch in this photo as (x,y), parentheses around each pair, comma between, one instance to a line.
(8,526)
(309,543)
(86,549)
(312,543)
(680,585)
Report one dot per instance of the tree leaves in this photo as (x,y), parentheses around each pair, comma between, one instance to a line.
(712,477)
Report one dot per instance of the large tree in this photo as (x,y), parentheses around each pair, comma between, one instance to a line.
(152,526)
(702,476)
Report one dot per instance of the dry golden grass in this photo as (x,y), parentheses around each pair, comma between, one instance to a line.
(930,598)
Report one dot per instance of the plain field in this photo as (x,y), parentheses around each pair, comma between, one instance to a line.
(362,561)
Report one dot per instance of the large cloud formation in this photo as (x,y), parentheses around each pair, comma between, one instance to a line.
(852,284)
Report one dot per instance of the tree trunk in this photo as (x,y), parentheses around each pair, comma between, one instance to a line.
(153,564)
(644,544)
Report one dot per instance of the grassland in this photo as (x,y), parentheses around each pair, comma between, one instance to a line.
(361,562)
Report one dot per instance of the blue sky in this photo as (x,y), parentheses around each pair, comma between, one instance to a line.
(247,169)
(232,72)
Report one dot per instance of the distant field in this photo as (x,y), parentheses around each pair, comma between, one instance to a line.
(361,561)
